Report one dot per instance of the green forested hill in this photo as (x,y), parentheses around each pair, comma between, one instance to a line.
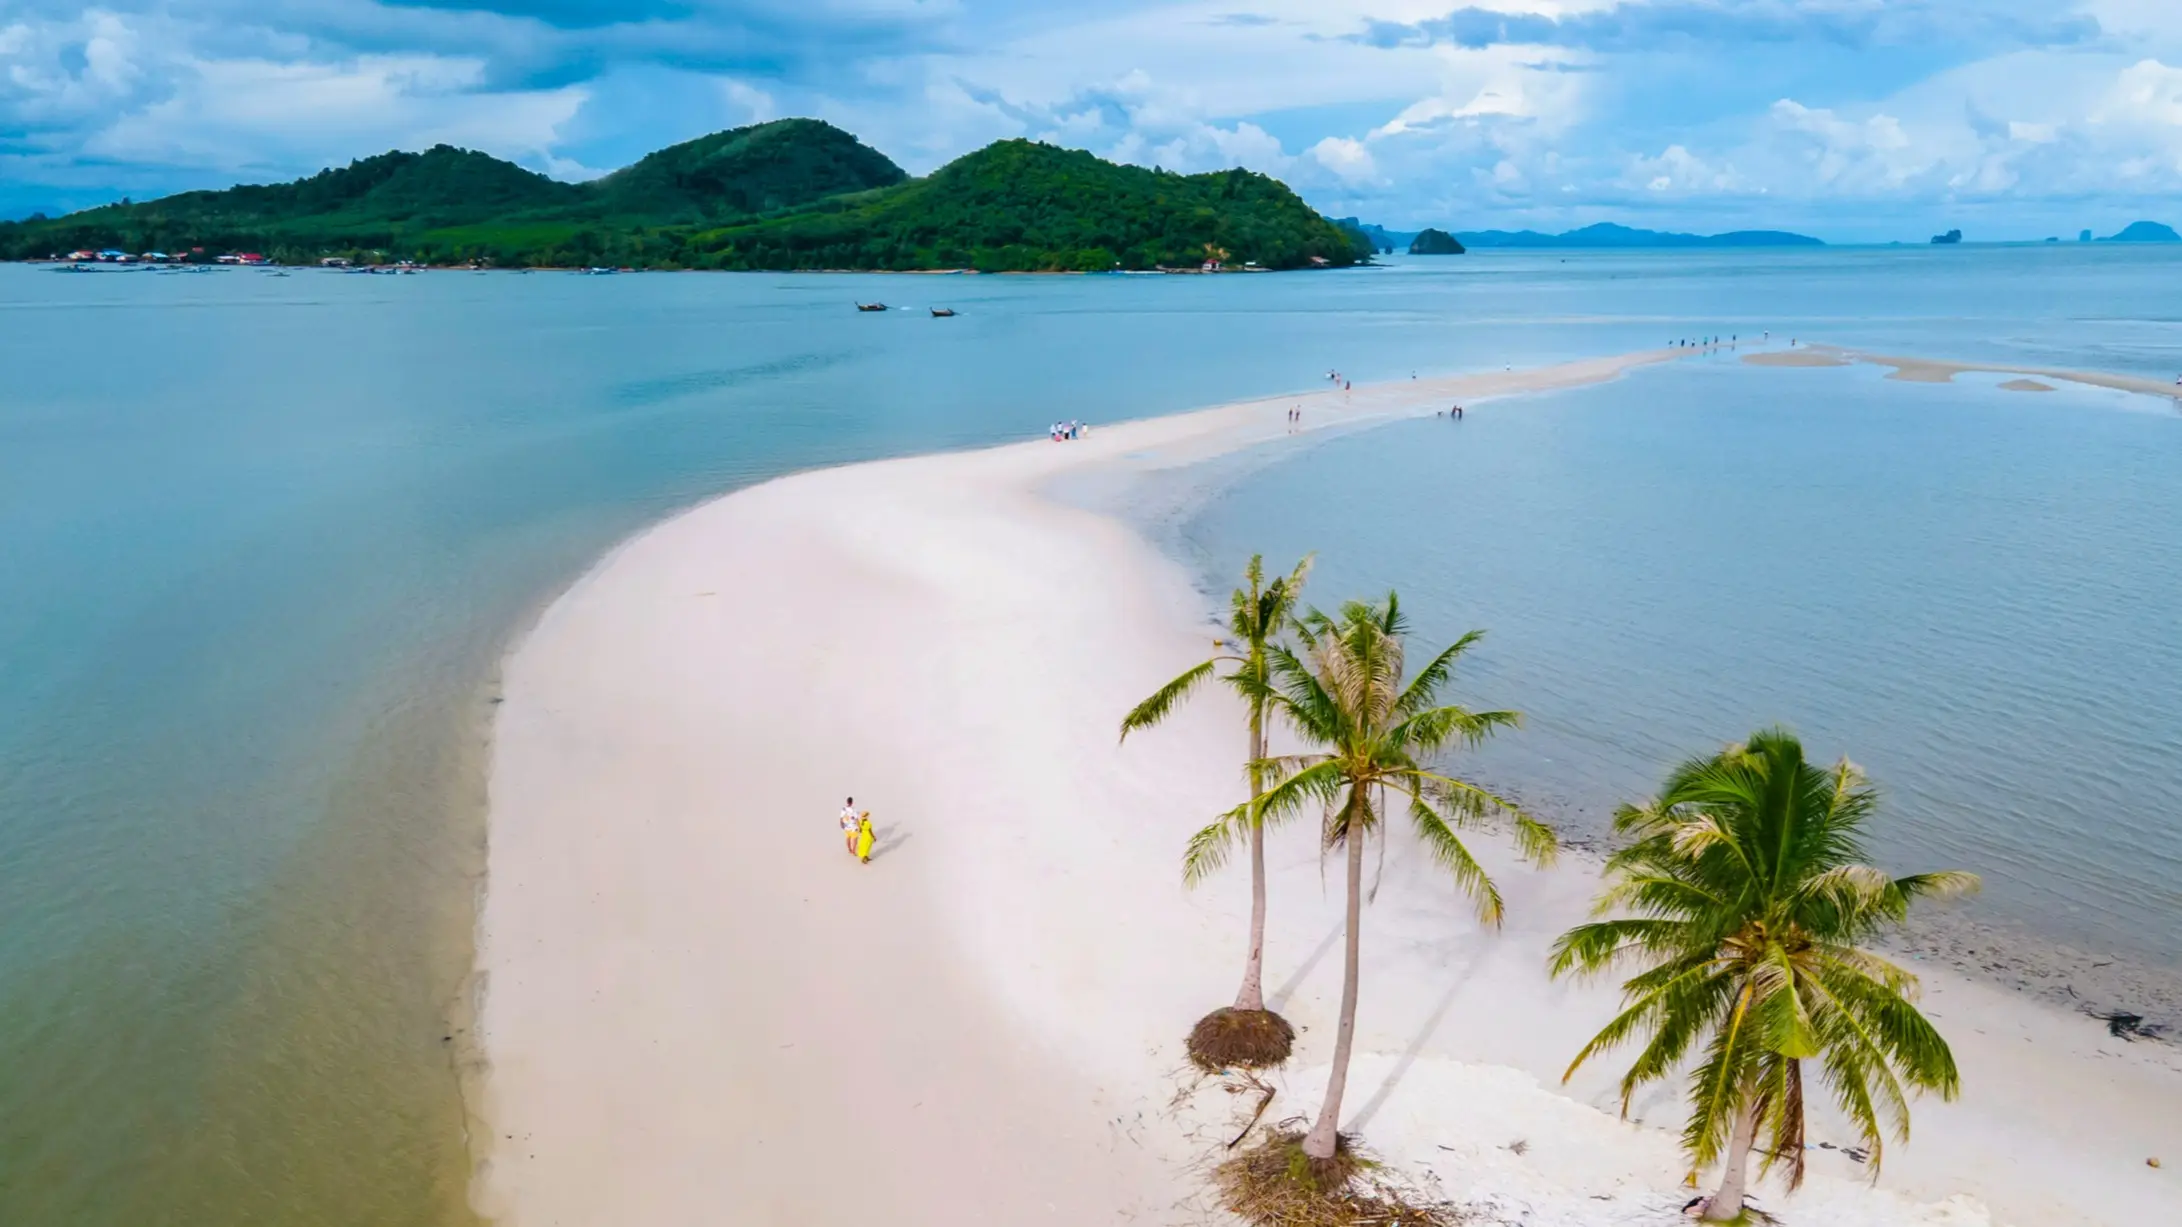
(1017,205)
(368,203)
(745,171)
(789,194)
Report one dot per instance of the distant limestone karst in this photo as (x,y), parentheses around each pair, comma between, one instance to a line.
(1430,242)
(1608,235)
(1952,236)
(2144,232)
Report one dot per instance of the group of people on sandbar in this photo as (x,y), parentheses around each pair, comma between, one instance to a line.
(856,831)
(1061,432)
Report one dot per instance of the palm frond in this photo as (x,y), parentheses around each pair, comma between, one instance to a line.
(1447,851)
(1318,779)
(1163,700)
(1719,1085)
(1785,1118)
(1946,884)
(1433,728)
(1466,804)
(1741,903)
(1426,685)
(1209,848)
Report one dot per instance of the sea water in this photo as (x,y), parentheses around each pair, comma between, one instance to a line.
(1971,592)
(263,539)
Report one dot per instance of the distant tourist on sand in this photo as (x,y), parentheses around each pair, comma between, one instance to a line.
(850,821)
(865,837)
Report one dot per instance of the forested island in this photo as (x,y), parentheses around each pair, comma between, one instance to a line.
(1431,242)
(789,194)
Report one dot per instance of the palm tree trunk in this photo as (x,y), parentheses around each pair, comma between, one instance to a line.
(1321,1141)
(1727,1204)
(1252,996)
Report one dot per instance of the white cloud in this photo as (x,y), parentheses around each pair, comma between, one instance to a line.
(2147,95)
(1401,129)
(756,105)
(1676,169)
(236,114)
(1346,157)
(2020,128)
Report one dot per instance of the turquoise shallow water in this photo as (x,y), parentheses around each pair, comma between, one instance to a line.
(1971,592)
(262,539)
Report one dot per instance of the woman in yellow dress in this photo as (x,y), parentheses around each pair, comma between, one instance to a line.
(865,837)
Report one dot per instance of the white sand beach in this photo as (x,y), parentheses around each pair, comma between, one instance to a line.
(697,1008)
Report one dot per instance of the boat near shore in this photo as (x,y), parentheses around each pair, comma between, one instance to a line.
(871,306)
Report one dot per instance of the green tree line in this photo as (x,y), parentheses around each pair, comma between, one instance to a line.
(791,194)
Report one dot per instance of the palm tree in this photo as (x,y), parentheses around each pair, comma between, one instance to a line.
(1746,900)
(1346,694)
(1245,1034)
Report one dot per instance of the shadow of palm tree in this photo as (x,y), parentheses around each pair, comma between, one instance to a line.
(1409,1056)
(1279,1000)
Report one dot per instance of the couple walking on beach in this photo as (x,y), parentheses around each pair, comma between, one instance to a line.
(856,831)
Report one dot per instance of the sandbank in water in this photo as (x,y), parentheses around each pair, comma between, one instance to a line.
(700,1009)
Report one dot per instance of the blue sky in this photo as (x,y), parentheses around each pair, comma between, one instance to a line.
(1850,119)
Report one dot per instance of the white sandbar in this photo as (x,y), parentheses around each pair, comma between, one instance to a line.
(699,1009)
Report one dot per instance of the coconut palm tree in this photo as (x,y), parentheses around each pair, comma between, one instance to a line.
(1374,731)
(1245,1034)
(1743,905)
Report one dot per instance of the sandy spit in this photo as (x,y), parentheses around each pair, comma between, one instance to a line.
(1933,370)
(1795,357)
(698,1009)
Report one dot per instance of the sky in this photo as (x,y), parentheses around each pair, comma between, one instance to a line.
(1855,120)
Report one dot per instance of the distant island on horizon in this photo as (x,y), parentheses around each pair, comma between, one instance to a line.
(2144,232)
(1596,236)
(1609,234)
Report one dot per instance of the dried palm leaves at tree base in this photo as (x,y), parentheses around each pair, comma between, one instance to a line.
(1229,1038)
(1274,1184)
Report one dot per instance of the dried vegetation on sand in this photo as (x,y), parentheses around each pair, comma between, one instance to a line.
(1274,1184)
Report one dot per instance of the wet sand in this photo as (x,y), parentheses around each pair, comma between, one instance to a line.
(1930,370)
